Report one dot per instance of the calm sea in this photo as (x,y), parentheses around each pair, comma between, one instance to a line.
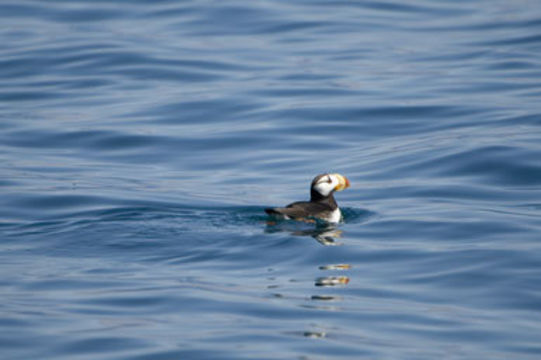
(141,140)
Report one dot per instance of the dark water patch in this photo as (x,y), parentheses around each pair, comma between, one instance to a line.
(514,41)
(511,165)
(446,57)
(279,27)
(61,14)
(462,231)
(101,345)
(201,111)
(71,283)
(531,119)
(355,215)
(393,7)
(111,142)
(7,183)
(186,226)
(48,210)
(15,96)
(181,354)
(450,191)
(357,122)
(499,164)
(305,92)
(164,74)
(513,65)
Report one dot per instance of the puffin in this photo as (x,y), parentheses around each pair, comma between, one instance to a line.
(321,206)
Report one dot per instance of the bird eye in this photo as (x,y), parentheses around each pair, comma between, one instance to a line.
(329,179)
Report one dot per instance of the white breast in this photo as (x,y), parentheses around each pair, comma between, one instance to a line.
(335,216)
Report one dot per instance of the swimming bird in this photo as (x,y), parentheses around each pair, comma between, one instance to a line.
(321,205)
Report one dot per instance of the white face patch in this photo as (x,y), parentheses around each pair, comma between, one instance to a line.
(326,184)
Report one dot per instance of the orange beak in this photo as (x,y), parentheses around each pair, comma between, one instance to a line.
(343,182)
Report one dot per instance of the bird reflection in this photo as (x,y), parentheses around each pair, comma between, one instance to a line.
(326,298)
(332,277)
(324,233)
(332,280)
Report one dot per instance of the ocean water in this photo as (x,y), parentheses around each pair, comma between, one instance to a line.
(140,142)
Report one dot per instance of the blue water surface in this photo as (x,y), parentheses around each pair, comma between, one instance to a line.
(141,140)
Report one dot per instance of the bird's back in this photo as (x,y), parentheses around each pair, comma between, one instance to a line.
(302,209)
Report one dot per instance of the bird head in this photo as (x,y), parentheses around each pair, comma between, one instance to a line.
(326,184)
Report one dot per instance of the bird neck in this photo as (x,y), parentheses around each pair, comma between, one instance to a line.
(329,199)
